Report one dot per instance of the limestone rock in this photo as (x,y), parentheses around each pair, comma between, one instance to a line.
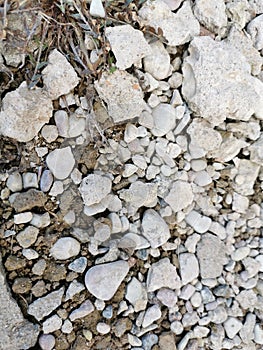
(154,228)
(103,280)
(136,294)
(189,267)
(24,112)
(59,77)
(211,14)
(44,306)
(65,248)
(94,188)
(247,173)
(180,195)
(97,9)
(211,72)
(200,223)
(127,44)
(158,15)
(255,30)
(256,154)
(61,162)
(16,333)
(164,119)
(157,62)
(211,256)
(122,94)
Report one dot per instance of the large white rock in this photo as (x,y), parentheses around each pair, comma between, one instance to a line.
(157,14)
(65,248)
(217,82)
(157,63)
(94,188)
(127,44)
(180,195)
(211,14)
(154,228)
(24,112)
(59,77)
(122,94)
(103,280)
(61,162)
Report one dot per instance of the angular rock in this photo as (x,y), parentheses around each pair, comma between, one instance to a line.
(44,306)
(154,228)
(28,236)
(211,256)
(24,112)
(228,149)
(162,274)
(65,248)
(136,294)
(52,324)
(255,30)
(103,280)
(247,172)
(74,288)
(167,341)
(157,62)
(219,65)
(94,188)
(127,44)
(211,14)
(59,77)
(85,309)
(180,196)
(189,267)
(97,9)
(164,119)
(158,15)
(27,200)
(152,314)
(16,333)
(122,94)
(200,223)
(61,162)
(255,149)
(232,327)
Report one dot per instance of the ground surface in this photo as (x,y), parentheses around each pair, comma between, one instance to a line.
(131,175)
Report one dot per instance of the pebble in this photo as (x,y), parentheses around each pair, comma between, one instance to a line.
(52,324)
(27,200)
(28,236)
(161,125)
(94,188)
(103,328)
(44,306)
(40,220)
(47,341)
(189,267)
(46,180)
(85,309)
(67,327)
(103,280)
(97,9)
(180,189)
(39,267)
(149,340)
(136,294)
(79,265)
(154,228)
(151,315)
(61,162)
(23,218)
(162,274)
(232,327)
(49,133)
(74,288)
(157,62)
(200,223)
(30,254)
(14,182)
(65,248)
(240,253)
(177,327)
(258,334)
(108,312)
(167,297)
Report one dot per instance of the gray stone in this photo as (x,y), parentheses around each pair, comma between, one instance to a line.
(136,294)
(255,30)
(154,228)
(97,9)
(23,119)
(128,45)
(46,341)
(52,324)
(245,178)
(180,195)
(200,223)
(211,14)
(164,119)
(103,328)
(94,188)
(49,133)
(255,150)
(103,280)
(46,180)
(258,334)
(232,327)
(211,256)
(74,288)
(16,333)
(27,200)
(14,182)
(61,162)
(85,309)
(59,77)
(158,15)
(79,265)
(65,248)
(28,236)
(122,94)
(151,315)
(189,267)
(44,306)
(157,62)
(162,274)
(219,65)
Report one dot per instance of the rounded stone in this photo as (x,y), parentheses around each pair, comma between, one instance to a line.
(65,248)
(61,162)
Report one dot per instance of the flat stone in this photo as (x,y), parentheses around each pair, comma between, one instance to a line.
(46,180)
(65,248)
(180,190)
(97,9)
(159,16)
(247,331)
(59,77)
(232,327)
(164,119)
(40,220)
(200,223)
(127,44)
(103,280)
(103,328)
(151,315)
(16,333)
(162,274)
(23,119)
(27,200)
(255,30)
(94,188)
(44,306)
(52,324)
(189,267)
(85,309)
(23,218)
(61,162)
(212,15)
(67,327)
(154,228)
(122,94)
(247,299)
(28,236)
(258,334)
(211,256)
(136,294)
(157,62)
(202,69)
